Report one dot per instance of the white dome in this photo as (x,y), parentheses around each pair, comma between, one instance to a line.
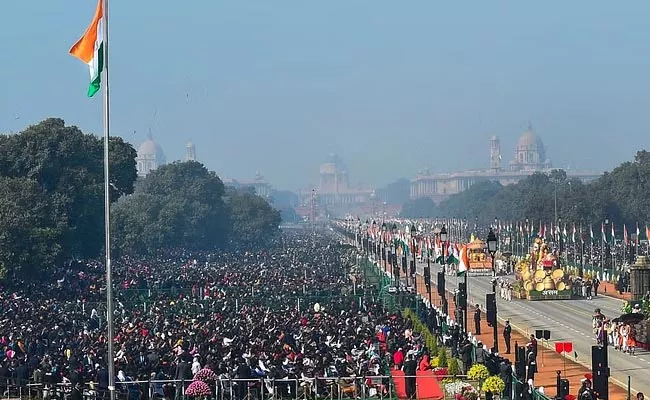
(150,148)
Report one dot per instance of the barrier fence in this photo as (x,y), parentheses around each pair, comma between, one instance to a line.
(368,387)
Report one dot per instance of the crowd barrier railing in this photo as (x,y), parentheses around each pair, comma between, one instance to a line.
(367,387)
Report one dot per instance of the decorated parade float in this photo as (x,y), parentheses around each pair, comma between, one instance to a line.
(479,258)
(539,277)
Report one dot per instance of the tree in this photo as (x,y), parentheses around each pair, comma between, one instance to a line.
(30,233)
(68,166)
(419,208)
(396,192)
(254,221)
(178,205)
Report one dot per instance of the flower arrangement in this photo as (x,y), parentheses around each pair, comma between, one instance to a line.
(435,362)
(494,384)
(198,389)
(442,357)
(205,375)
(478,372)
(452,367)
(461,391)
(440,371)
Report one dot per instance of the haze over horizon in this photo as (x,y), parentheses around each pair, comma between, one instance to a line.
(392,88)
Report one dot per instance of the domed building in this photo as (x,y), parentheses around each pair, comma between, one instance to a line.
(150,156)
(530,154)
(334,192)
(530,157)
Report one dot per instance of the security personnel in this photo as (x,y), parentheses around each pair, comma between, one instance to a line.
(507,334)
(477,320)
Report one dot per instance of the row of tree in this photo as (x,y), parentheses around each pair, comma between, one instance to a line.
(619,195)
(52,202)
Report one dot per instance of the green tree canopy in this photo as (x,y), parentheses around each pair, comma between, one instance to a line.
(619,195)
(254,221)
(419,208)
(177,205)
(67,165)
(30,233)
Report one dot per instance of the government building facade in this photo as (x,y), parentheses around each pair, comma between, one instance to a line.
(334,195)
(530,157)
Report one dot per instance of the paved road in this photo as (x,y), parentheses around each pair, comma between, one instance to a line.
(568,320)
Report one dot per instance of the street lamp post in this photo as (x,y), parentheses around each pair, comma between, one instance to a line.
(384,256)
(427,277)
(559,230)
(393,262)
(394,231)
(443,241)
(412,271)
(492,243)
(604,250)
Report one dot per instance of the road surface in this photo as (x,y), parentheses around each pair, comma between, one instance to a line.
(568,321)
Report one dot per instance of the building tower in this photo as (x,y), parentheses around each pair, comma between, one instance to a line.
(150,156)
(495,154)
(190,151)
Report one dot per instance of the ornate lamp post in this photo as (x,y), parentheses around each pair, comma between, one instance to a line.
(443,242)
(383,241)
(412,271)
(492,243)
(393,229)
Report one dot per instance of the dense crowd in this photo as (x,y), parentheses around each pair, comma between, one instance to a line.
(281,315)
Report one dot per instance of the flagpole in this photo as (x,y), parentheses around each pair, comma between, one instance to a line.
(107,205)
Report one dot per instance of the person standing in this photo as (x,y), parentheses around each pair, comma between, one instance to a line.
(595,283)
(477,320)
(507,335)
(410,370)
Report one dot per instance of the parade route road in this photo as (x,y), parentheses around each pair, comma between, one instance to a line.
(568,321)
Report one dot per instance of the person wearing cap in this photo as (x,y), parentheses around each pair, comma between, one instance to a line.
(507,334)
(585,392)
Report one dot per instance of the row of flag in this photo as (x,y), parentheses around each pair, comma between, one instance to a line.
(443,253)
(576,232)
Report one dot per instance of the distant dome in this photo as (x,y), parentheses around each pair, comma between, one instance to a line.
(334,159)
(529,140)
(151,148)
(530,153)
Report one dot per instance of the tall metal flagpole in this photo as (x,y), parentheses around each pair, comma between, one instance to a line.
(107,205)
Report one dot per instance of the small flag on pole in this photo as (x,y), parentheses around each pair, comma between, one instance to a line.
(90,49)
(463,265)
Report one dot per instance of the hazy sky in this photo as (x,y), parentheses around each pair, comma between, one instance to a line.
(392,86)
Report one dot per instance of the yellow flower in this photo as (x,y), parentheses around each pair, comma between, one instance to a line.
(494,384)
(478,372)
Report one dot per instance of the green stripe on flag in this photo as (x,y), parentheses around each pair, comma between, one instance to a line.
(95,84)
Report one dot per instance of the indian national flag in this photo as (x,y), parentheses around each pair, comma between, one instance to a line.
(90,49)
(452,255)
(463,265)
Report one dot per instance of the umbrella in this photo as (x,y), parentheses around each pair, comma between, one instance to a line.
(631,318)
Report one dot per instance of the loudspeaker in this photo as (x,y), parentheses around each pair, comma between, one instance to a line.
(441,283)
(491,303)
(427,277)
(462,296)
(539,334)
(491,309)
(564,388)
(598,359)
(600,384)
